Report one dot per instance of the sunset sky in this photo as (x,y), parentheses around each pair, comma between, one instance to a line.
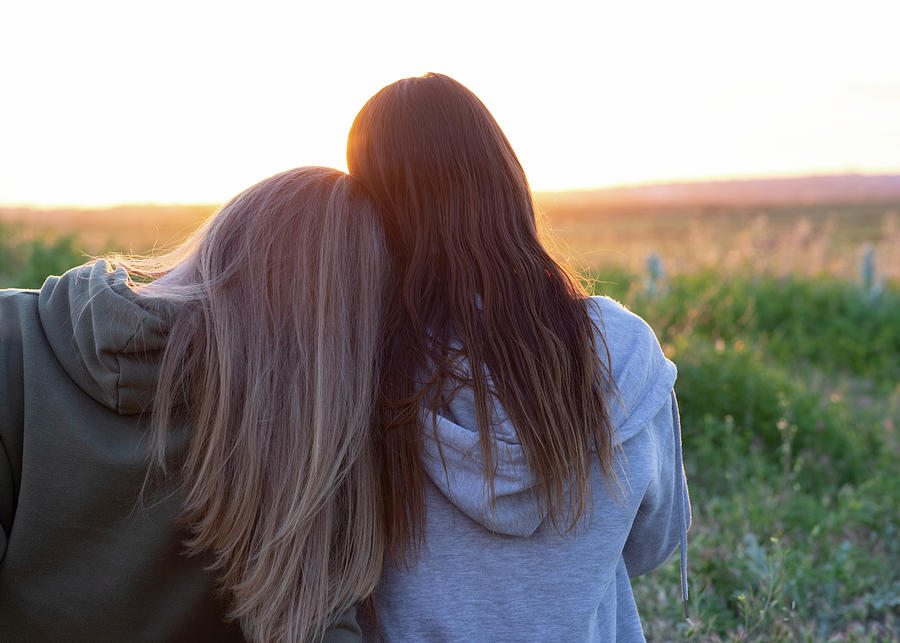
(110,102)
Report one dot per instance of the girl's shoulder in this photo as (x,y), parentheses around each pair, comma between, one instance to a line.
(641,374)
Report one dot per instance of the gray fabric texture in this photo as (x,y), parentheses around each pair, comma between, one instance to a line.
(501,572)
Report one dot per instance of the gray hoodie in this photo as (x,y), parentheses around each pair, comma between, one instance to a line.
(502,572)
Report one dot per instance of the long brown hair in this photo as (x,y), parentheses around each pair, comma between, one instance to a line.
(475,283)
(273,362)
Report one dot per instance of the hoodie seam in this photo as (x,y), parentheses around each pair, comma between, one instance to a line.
(125,346)
(494,436)
(63,348)
(472,453)
(650,402)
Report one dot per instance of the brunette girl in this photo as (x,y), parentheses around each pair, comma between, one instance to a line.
(529,433)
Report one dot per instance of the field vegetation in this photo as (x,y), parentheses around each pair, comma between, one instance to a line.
(790,403)
(785,326)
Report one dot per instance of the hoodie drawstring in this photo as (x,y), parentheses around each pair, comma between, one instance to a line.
(680,504)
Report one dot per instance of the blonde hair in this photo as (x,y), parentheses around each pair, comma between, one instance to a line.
(272,361)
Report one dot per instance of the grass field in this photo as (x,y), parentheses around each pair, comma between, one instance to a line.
(790,407)
(785,326)
(797,239)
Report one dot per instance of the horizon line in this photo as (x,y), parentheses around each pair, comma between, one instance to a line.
(728,178)
(723,178)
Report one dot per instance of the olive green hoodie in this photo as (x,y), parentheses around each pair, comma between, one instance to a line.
(80,557)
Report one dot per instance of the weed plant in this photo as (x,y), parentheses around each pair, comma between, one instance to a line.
(790,401)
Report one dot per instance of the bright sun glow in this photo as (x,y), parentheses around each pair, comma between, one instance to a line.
(180,101)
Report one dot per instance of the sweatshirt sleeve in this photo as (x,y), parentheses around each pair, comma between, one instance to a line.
(13,305)
(664,515)
(7,497)
(645,405)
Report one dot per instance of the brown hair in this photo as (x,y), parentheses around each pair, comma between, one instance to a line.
(475,283)
(273,361)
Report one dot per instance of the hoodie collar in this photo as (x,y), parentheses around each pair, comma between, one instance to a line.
(453,460)
(107,338)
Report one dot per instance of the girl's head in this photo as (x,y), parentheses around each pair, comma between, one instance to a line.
(272,362)
(475,283)
(443,172)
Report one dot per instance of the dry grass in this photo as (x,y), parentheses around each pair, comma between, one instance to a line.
(801,239)
(125,228)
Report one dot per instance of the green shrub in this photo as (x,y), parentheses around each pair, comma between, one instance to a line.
(831,325)
(771,414)
(789,402)
(26,263)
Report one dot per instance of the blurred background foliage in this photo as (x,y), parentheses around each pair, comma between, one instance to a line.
(790,403)
(785,326)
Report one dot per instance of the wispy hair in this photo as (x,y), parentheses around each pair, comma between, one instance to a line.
(271,365)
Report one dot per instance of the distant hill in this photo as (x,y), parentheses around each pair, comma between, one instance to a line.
(807,190)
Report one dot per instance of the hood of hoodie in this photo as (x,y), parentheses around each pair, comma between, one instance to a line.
(108,338)
(453,460)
